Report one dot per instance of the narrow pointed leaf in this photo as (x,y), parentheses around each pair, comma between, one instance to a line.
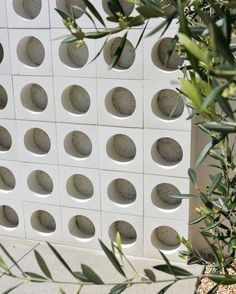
(141,36)
(150,274)
(118,52)
(215,183)
(36,277)
(183,196)
(178,271)
(12,288)
(118,289)
(80,276)
(94,11)
(163,290)
(42,264)
(193,176)
(63,15)
(213,96)
(198,219)
(202,155)
(91,275)
(225,106)
(10,257)
(149,12)
(223,280)
(167,265)
(3,265)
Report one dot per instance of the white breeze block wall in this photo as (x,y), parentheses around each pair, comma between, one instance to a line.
(84,151)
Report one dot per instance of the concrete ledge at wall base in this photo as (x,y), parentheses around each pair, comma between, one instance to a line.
(120,103)
(12,218)
(31,52)
(76,100)
(130,229)
(43,222)
(81,228)
(27,13)
(79,187)
(122,193)
(37,142)
(7,107)
(163,234)
(34,98)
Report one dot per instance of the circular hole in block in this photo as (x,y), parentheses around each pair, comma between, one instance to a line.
(161,196)
(72,55)
(167,152)
(160,56)
(34,98)
(37,141)
(127,233)
(122,192)
(1,53)
(126,6)
(120,102)
(8,217)
(40,183)
(3,98)
(67,6)
(80,187)
(168,104)
(78,144)
(7,179)
(165,238)
(28,9)
(167,8)
(82,228)
(121,148)
(5,140)
(76,100)
(43,222)
(127,57)
(30,51)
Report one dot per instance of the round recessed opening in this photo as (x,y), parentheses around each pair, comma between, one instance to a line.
(127,57)
(7,179)
(40,183)
(126,6)
(82,228)
(3,98)
(168,104)
(127,232)
(160,56)
(165,238)
(80,187)
(78,144)
(8,217)
(1,53)
(161,196)
(37,141)
(167,152)
(34,98)
(76,100)
(120,102)
(122,192)
(5,140)
(67,6)
(30,51)
(121,148)
(43,222)
(28,9)
(72,55)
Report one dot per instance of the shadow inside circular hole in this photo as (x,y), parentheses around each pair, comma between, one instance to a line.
(165,238)
(76,100)
(7,179)
(34,98)
(67,7)
(8,217)
(78,144)
(160,56)
(161,196)
(80,187)
(167,152)
(3,98)
(43,222)
(30,51)
(1,53)
(120,102)
(121,191)
(5,140)
(168,104)
(37,141)
(73,56)
(167,8)
(121,148)
(126,6)
(82,228)
(127,232)
(40,183)
(28,9)
(127,56)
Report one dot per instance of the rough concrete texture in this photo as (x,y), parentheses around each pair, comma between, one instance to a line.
(32,8)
